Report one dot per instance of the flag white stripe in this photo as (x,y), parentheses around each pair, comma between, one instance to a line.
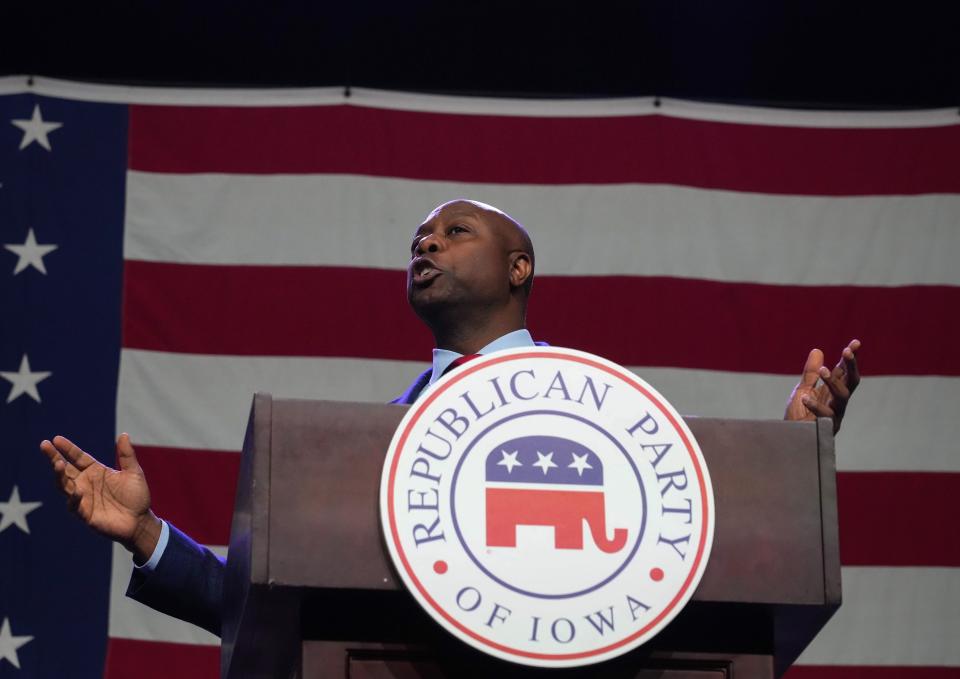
(475,105)
(892,616)
(132,620)
(202,401)
(642,230)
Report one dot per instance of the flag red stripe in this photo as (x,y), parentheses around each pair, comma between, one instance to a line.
(128,658)
(157,660)
(531,150)
(898,518)
(670,322)
(870,672)
(193,489)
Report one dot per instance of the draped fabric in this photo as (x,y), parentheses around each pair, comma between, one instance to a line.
(258,242)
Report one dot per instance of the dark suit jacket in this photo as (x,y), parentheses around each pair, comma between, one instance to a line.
(188,581)
(419,384)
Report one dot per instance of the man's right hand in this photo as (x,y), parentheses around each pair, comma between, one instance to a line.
(114,503)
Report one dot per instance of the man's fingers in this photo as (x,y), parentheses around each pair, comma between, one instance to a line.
(821,409)
(811,369)
(72,453)
(51,453)
(817,408)
(849,360)
(126,457)
(839,383)
(835,383)
(59,470)
(63,471)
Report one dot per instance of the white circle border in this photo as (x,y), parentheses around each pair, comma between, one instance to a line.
(496,649)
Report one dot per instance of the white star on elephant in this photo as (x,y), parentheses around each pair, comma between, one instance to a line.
(544,462)
(580,463)
(510,460)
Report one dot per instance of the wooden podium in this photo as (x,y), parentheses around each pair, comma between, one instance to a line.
(310,591)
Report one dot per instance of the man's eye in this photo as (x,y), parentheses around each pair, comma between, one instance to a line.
(457,229)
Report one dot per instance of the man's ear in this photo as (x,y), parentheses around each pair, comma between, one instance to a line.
(520,268)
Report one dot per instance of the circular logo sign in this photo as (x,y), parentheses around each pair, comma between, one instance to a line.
(547,507)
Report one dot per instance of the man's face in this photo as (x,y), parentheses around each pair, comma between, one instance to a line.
(459,255)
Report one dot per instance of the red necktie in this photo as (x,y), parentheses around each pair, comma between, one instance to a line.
(457,362)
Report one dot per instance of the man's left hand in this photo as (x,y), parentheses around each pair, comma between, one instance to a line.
(810,400)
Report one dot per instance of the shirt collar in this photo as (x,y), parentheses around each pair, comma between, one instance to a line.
(512,340)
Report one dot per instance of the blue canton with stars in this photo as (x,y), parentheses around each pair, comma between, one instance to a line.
(62,182)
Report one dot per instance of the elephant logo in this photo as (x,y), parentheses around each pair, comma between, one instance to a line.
(524,507)
(547,481)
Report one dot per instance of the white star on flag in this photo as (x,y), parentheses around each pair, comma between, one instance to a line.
(510,460)
(30,253)
(544,462)
(35,129)
(580,463)
(14,512)
(25,381)
(9,644)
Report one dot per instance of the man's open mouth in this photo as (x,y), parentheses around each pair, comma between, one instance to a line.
(423,271)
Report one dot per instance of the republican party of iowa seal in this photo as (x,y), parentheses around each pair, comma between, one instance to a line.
(547,507)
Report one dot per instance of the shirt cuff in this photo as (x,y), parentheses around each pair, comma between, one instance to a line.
(158,550)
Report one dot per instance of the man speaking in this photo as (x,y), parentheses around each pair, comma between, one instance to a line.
(469,279)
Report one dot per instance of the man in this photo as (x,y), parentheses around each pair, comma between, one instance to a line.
(469,278)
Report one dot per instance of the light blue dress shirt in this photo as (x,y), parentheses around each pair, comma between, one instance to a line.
(441,359)
(158,550)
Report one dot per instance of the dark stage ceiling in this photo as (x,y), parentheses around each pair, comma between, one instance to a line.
(818,53)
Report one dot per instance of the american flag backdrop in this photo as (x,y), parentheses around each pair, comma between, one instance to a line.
(167,253)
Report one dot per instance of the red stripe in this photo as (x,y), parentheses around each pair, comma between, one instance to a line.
(644,321)
(870,672)
(530,150)
(898,518)
(134,659)
(154,660)
(193,489)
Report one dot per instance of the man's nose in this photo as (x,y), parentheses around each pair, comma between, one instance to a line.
(429,243)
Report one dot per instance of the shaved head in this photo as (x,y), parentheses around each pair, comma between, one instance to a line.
(470,274)
(513,233)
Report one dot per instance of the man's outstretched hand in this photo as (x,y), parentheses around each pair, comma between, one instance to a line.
(809,400)
(114,503)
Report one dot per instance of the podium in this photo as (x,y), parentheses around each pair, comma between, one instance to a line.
(310,590)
